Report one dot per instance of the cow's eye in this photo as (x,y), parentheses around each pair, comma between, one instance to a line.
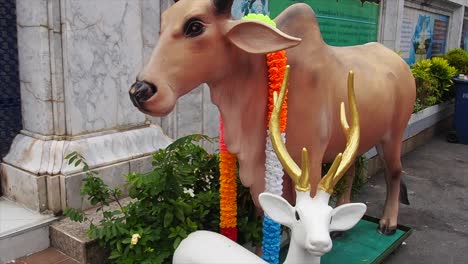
(193,28)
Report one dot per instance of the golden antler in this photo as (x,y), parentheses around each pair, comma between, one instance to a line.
(344,161)
(300,176)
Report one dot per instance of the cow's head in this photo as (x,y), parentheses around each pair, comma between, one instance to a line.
(198,44)
(312,219)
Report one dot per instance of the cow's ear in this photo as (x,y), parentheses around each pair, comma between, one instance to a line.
(258,38)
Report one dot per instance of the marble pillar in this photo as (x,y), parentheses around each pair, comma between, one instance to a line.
(455,27)
(390,23)
(77,59)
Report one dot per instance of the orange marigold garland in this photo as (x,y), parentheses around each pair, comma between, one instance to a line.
(271,243)
(227,189)
(276,63)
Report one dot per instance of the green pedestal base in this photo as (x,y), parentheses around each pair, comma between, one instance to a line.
(362,244)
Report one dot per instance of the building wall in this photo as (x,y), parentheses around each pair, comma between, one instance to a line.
(393,16)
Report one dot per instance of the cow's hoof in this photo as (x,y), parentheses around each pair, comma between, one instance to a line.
(336,235)
(386,231)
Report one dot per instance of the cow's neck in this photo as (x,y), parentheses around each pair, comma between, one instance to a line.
(241,96)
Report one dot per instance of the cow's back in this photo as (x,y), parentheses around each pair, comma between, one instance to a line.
(385,91)
(384,85)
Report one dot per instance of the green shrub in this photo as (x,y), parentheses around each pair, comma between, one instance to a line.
(179,196)
(458,58)
(433,82)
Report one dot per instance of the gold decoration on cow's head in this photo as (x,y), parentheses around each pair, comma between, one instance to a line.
(342,162)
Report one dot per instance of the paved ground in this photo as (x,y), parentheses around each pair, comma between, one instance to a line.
(437,178)
(48,256)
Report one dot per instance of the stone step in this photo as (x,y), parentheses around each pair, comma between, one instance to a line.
(22,232)
(72,239)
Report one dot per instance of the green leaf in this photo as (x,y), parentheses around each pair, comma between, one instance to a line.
(70,155)
(70,161)
(168,217)
(115,255)
(179,213)
(176,242)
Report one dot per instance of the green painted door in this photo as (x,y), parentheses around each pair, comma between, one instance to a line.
(342,22)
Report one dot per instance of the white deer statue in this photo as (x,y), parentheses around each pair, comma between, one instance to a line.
(310,221)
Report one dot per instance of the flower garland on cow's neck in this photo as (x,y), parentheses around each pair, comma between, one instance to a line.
(227,188)
(276,63)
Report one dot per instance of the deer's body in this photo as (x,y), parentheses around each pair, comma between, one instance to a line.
(229,56)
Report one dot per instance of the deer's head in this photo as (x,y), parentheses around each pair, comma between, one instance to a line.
(198,44)
(312,219)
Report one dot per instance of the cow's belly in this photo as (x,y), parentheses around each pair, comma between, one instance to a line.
(377,118)
(370,136)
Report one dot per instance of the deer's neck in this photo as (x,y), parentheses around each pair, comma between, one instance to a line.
(299,255)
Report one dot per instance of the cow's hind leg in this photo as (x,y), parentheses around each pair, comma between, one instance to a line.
(390,154)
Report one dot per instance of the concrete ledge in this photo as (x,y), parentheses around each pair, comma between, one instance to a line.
(72,239)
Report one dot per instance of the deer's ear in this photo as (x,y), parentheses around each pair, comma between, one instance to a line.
(277,208)
(258,38)
(346,216)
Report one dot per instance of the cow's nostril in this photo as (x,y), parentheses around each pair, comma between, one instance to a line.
(141,91)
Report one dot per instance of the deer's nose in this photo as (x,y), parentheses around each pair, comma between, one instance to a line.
(141,91)
(320,246)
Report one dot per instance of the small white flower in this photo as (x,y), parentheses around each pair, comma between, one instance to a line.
(135,238)
(190,192)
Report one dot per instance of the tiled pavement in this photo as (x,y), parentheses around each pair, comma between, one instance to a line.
(48,256)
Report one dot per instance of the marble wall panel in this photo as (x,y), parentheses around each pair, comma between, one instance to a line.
(113,176)
(102,44)
(210,120)
(190,113)
(23,187)
(141,165)
(34,71)
(31,12)
(151,21)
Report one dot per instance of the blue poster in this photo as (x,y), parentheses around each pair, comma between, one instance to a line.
(241,8)
(422,39)
(423,35)
(465,41)
(464,38)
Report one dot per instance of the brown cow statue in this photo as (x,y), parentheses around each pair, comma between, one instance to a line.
(200,43)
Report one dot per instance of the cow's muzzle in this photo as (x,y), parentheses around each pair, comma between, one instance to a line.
(140,92)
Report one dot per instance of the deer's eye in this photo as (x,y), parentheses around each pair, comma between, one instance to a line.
(193,28)
(297,216)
